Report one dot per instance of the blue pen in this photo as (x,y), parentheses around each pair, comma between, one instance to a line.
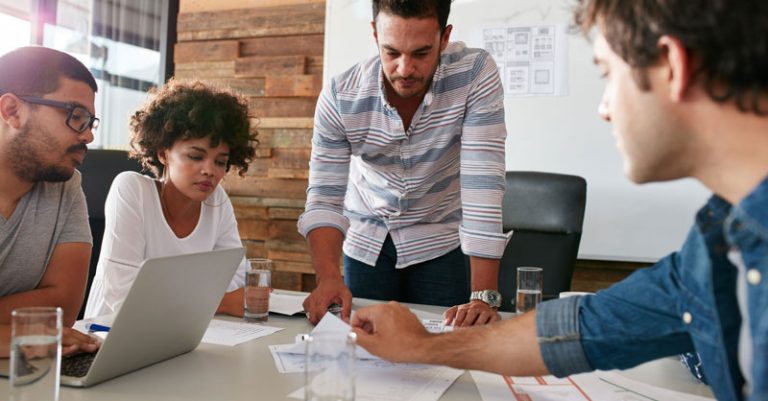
(92,327)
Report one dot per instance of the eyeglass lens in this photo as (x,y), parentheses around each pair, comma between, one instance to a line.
(80,119)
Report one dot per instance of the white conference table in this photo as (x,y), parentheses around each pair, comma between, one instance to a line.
(247,372)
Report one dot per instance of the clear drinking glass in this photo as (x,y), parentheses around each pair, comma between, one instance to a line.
(258,283)
(530,281)
(35,354)
(330,367)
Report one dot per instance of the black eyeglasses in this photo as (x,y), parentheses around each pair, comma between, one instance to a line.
(79,118)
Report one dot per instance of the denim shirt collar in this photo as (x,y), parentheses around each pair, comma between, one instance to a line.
(751,214)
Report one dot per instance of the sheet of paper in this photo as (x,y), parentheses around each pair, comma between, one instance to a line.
(494,387)
(384,381)
(286,361)
(436,325)
(633,387)
(328,324)
(532,60)
(286,304)
(224,332)
(595,386)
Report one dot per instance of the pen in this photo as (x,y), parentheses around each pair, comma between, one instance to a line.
(92,327)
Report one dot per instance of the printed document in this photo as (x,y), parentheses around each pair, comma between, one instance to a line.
(594,386)
(225,332)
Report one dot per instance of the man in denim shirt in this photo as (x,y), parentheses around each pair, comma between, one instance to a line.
(687,94)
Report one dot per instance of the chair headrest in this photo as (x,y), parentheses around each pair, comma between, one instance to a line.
(546,202)
(98,170)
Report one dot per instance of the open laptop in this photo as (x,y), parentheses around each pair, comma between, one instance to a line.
(165,314)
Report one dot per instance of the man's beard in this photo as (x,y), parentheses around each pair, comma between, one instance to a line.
(26,164)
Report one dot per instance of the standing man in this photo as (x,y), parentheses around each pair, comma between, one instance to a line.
(47,113)
(687,94)
(407,171)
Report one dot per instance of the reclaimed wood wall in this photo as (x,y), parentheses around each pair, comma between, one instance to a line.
(270,51)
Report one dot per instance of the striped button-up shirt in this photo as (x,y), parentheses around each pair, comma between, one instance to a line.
(431,187)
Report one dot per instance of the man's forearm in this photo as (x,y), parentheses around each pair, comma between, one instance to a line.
(325,249)
(69,303)
(485,273)
(507,347)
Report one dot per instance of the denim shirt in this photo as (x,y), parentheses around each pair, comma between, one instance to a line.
(686,302)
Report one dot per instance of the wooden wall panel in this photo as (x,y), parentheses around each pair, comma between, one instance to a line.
(282,106)
(205,69)
(256,66)
(304,45)
(293,85)
(254,22)
(215,50)
(190,6)
(271,52)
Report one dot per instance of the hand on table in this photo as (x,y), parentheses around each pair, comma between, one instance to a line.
(328,291)
(473,313)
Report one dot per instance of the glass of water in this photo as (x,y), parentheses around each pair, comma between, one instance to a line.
(35,353)
(530,281)
(329,369)
(258,284)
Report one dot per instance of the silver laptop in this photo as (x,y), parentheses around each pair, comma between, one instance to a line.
(165,314)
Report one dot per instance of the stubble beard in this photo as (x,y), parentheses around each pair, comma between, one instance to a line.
(26,163)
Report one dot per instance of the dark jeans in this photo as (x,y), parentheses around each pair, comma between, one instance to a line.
(442,281)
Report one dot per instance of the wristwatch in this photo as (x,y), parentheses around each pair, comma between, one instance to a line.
(491,297)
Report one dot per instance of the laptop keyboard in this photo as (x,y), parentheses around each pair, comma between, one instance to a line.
(76,365)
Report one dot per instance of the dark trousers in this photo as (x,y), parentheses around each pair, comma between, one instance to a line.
(442,281)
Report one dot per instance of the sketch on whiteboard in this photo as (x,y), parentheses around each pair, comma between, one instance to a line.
(532,60)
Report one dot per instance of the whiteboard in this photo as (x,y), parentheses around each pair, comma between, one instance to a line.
(560,134)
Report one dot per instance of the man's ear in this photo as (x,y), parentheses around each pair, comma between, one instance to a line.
(375,34)
(11,110)
(679,66)
(445,39)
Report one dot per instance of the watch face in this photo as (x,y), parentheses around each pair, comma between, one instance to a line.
(492,298)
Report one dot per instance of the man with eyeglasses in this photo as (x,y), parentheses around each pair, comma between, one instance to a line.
(46,121)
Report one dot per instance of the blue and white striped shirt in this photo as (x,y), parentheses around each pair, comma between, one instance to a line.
(432,187)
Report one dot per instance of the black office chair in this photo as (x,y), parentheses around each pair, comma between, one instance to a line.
(546,212)
(98,170)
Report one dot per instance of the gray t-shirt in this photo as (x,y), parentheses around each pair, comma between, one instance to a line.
(51,213)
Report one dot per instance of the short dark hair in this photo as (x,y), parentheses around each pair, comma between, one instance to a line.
(415,9)
(37,70)
(187,110)
(727,39)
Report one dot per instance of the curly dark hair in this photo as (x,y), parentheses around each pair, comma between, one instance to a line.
(185,110)
(439,9)
(727,38)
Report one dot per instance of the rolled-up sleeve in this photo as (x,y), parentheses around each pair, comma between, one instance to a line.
(482,164)
(557,332)
(328,169)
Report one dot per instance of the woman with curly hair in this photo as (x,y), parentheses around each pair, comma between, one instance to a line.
(189,135)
